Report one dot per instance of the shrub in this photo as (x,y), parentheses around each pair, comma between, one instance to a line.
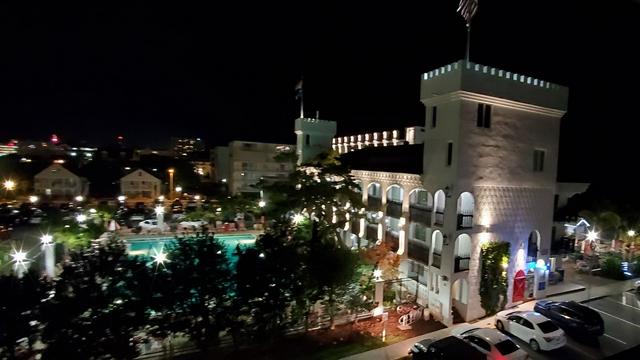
(611,267)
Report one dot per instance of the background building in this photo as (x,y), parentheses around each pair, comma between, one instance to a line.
(139,185)
(243,164)
(57,183)
(184,147)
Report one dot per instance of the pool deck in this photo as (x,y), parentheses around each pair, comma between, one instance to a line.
(128,235)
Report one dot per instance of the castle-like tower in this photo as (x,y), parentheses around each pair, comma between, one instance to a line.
(313,136)
(490,161)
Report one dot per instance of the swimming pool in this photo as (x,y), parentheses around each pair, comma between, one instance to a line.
(151,246)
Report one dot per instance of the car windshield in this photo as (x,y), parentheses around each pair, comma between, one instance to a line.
(506,347)
(547,326)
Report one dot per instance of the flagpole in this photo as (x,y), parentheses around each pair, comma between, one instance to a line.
(302,105)
(466,56)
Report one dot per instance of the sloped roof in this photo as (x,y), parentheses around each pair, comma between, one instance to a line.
(135,174)
(55,170)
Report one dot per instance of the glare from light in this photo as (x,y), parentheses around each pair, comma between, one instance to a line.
(81,218)
(19,256)
(160,257)
(92,211)
(178,188)
(262,203)
(46,239)
(33,199)
(218,209)
(121,198)
(298,218)
(592,235)
(631,233)
(377,274)
(197,197)
(161,198)
(79,198)
(261,255)
(9,185)
(159,210)
(224,180)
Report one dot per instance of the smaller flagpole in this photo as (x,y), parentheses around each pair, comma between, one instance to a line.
(301,105)
(466,55)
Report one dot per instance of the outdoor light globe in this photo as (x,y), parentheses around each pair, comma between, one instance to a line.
(19,256)
(9,185)
(46,239)
(377,274)
(121,198)
(178,188)
(197,197)
(159,210)
(81,218)
(93,211)
(261,203)
(33,199)
(631,233)
(592,235)
(79,198)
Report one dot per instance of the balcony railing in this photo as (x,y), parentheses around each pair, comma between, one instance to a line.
(420,214)
(436,260)
(439,218)
(418,251)
(394,209)
(465,221)
(374,203)
(372,232)
(461,263)
(392,240)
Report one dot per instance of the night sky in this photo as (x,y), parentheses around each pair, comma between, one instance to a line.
(227,72)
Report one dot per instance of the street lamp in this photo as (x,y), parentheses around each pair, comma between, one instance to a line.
(122,198)
(171,171)
(79,198)
(178,189)
(262,203)
(81,218)
(19,258)
(631,233)
(49,256)
(33,199)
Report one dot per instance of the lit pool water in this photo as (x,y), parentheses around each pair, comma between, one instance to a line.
(151,246)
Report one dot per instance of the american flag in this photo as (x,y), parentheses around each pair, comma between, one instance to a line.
(467,9)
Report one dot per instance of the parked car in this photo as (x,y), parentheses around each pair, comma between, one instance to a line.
(193,224)
(152,225)
(176,207)
(450,347)
(491,342)
(572,317)
(37,216)
(531,327)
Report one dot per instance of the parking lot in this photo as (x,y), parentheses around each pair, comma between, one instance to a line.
(621,315)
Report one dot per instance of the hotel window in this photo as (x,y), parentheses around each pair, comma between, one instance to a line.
(434,116)
(483,118)
(538,160)
(449,153)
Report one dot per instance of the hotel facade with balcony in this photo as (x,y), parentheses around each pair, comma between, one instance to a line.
(484,170)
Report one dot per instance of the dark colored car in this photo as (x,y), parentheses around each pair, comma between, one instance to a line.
(450,347)
(572,317)
(176,207)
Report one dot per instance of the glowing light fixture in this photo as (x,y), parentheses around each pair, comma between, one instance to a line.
(33,199)
(631,233)
(46,239)
(79,198)
(81,218)
(262,203)
(592,235)
(159,210)
(9,185)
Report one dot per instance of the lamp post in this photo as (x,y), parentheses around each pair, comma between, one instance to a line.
(20,262)
(46,241)
(160,215)
(9,186)
(171,171)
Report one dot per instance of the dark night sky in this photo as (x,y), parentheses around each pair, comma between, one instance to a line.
(226,72)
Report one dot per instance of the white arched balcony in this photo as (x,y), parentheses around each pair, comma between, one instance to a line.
(465,211)
(439,201)
(462,253)
(420,206)
(436,249)
(395,194)
(374,196)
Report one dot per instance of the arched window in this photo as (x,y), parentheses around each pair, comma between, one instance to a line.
(465,211)
(462,252)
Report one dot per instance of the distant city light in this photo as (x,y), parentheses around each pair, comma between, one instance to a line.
(58,161)
(54,138)
(224,180)
(197,197)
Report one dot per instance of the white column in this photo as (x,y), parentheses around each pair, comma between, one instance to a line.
(49,260)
